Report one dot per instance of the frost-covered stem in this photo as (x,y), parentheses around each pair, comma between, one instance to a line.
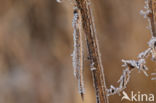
(153,74)
(130,65)
(152,14)
(93,50)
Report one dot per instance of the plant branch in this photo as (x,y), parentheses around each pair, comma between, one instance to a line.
(150,14)
(130,65)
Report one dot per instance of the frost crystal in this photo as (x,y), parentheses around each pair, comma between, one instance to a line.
(93,68)
(59,1)
(152,42)
(148,13)
(152,45)
(145,54)
(124,79)
(130,65)
(153,78)
(153,74)
(147,9)
(145,13)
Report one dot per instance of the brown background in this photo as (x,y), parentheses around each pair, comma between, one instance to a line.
(36,44)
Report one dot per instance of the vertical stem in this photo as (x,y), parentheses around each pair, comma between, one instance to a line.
(94,54)
(152,16)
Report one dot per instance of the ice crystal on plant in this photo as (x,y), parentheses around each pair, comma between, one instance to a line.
(59,1)
(152,42)
(153,78)
(145,54)
(140,65)
(129,66)
(124,79)
(93,68)
(148,13)
(145,13)
(152,45)
(153,74)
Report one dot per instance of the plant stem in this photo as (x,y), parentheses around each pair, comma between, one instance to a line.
(93,50)
(152,16)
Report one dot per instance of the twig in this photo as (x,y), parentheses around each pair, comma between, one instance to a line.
(130,65)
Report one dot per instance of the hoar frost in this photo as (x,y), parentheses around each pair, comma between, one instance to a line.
(130,65)
(59,1)
(152,45)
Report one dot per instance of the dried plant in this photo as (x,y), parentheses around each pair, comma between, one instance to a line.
(130,65)
(83,21)
(140,64)
(82,9)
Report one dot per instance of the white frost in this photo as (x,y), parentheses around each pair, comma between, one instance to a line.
(145,13)
(59,1)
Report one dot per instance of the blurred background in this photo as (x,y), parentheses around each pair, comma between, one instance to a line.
(36,43)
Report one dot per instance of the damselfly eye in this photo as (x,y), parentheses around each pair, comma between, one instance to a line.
(75,11)
(155,44)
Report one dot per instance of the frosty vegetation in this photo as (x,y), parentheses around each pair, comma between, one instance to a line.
(83,18)
(87,24)
(130,65)
(59,1)
(139,64)
(153,74)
